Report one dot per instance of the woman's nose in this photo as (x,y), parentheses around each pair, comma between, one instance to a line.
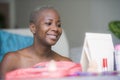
(54,27)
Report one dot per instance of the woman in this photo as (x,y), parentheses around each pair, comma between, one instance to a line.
(45,24)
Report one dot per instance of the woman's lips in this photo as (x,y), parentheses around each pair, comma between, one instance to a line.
(52,36)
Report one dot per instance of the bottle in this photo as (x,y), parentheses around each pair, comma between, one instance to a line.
(105,65)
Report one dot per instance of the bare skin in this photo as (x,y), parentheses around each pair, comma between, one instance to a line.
(46,32)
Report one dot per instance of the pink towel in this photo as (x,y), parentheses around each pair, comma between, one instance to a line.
(45,70)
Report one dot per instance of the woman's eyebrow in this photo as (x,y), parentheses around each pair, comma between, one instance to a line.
(52,20)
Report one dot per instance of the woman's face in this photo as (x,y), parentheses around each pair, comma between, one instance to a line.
(48,28)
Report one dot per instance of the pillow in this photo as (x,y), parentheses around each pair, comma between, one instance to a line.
(13,42)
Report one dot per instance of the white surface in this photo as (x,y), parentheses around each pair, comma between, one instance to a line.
(96,47)
(24,31)
(61,47)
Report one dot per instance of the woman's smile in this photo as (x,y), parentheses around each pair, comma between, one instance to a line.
(52,36)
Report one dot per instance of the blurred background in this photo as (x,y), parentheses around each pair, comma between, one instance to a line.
(78,16)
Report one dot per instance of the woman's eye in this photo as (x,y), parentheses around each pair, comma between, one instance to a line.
(59,25)
(49,23)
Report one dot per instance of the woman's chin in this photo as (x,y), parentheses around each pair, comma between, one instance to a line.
(52,42)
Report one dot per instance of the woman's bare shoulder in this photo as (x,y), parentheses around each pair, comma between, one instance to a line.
(10,56)
(9,62)
(61,58)
(65,58)
(13,58)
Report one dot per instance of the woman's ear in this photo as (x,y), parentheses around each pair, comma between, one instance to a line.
(32,28)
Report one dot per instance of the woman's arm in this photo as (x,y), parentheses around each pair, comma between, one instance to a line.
(8,63)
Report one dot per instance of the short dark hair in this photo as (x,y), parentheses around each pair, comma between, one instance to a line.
(35,13)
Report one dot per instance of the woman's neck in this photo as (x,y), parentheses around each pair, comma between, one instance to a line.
(42,51)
